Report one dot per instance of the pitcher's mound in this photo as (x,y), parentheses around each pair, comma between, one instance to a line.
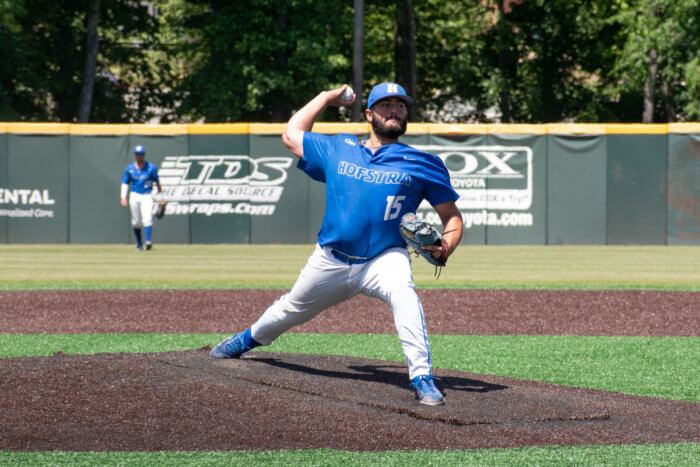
(188,401)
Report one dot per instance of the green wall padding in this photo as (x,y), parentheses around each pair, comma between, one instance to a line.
(95,213)
(5,208)
(576,190)
(224,188)
(539,189)
(39,164)
(683,226)
(636,189)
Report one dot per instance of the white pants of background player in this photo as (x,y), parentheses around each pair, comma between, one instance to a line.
(141,205)
(326,281)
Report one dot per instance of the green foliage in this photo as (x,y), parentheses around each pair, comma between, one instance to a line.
(548,57)
(43,48)
(692,90)
(260,59)
(672,31)
(450,47)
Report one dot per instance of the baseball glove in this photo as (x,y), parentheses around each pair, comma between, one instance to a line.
(418,233)
(160,210)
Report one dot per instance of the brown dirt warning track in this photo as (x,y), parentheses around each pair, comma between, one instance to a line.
(187,401)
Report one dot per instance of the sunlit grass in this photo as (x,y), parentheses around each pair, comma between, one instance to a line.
(645,366)
(671,454)
(277,266)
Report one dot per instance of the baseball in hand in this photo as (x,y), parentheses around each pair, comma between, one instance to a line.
(348,94)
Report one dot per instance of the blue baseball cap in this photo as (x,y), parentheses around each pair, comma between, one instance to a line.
(384,90)
(139,151)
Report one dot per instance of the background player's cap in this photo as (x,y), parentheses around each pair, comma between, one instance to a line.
(384,90)
(139,151)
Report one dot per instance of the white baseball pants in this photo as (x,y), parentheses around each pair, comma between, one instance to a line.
(141,206)
(326,281)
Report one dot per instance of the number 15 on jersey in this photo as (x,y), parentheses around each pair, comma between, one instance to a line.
(393,207)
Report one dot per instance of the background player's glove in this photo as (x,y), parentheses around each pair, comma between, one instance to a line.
(160,209)
(418,233)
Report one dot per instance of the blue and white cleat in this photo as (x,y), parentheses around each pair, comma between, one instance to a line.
(426,392)
(232,347)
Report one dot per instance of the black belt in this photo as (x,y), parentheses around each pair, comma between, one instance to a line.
(348,259)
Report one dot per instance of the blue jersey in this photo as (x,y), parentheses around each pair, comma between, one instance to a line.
(141,180)
(367,194)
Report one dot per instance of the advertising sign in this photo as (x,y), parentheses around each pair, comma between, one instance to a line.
(223,184)
(495,183)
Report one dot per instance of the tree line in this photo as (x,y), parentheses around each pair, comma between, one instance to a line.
(526,61)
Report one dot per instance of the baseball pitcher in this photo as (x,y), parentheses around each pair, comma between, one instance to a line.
(370,185)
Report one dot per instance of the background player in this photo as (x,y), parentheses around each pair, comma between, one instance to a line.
(141,175)
(369,186)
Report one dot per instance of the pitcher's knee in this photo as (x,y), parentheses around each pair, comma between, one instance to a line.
(403,295)
(276,320)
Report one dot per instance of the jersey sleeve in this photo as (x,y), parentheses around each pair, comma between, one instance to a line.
(317,152)
(438,188)
(125,177)
(438,193)
(155,173)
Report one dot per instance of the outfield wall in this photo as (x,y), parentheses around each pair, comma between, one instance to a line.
(237,183)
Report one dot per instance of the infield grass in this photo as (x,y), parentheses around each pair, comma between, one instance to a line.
(277,266)
(646,366)
(633,455)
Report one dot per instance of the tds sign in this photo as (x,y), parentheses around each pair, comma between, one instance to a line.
(488,177)
(223,178)
(226,170)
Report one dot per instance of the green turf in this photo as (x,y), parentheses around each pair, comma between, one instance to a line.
(661,367)
(646,366)
(277,266)
(676,454)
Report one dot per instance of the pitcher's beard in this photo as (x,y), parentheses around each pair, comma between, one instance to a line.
(386,131)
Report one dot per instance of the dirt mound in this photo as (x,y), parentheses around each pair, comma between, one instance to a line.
(187,401)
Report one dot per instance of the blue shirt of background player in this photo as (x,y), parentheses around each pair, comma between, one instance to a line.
(368,193)
(141,179)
